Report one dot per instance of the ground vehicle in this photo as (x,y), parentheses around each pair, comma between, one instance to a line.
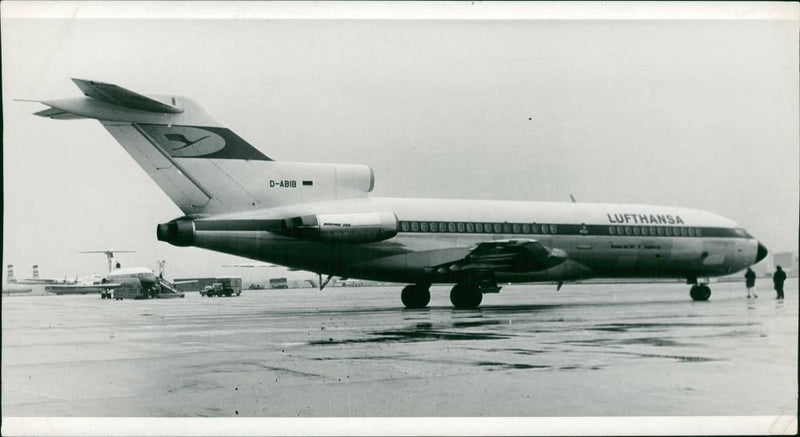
(224,287)
(278,283)
(214,289)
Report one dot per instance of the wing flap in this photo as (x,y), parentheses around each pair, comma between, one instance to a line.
(508,256)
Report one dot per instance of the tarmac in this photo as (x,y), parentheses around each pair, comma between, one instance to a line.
(587,350)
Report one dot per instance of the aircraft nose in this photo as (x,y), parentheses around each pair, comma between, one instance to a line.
(761,253)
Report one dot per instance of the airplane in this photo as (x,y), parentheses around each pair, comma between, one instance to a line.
(136,282)
(35,280)
(79,285)
(12,286)
(321,217)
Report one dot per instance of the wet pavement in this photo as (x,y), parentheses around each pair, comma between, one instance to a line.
(587,350)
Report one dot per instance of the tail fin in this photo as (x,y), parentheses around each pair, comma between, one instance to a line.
(35,271)
(10,272)
(172,138)
(200,164)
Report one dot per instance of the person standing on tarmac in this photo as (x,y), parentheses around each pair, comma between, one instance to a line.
(750,282)
(778,278)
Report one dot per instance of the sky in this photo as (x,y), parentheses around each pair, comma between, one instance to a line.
(694,108)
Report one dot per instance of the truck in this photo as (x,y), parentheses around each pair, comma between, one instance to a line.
(278,284)
(225,287)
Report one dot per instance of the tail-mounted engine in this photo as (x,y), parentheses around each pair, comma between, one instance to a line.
(367,227)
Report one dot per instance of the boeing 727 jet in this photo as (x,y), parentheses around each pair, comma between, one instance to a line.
(322,218)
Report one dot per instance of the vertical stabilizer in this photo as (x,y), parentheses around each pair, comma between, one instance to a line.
(204,167)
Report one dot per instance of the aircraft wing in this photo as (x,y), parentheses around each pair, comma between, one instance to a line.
(106,286)
(82,288)
(507,256)
(250,265)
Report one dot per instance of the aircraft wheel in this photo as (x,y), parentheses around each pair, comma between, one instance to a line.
(465,297)
(415,296)
(700,293)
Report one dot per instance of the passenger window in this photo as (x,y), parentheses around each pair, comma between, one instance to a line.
(628,230)
(691,232)
(683,232)
(526,228)
(498,228)
(442,227)
(635,230)
(470,227)
(479,227)
(660,231)
(620,230)
(610,230)
(652,231)
(668,232)
(424,226)
(451,227)
(461,227)
(516,228)
(404,226)
(487,227)
(698,232)
(544,229)
(414,226)
(553,229)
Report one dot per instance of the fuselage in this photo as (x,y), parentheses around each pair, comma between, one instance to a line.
(601,240)
(144,275)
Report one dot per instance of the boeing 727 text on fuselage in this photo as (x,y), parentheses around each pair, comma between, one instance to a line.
(321,217)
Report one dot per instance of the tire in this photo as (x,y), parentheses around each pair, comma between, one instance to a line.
(465,297)
(700,293)
(415,297)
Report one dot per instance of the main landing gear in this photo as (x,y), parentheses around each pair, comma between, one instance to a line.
(466,296)
(416,296)
(700,292)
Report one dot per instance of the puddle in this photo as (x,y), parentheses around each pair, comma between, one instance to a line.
(509,366)
(412,336)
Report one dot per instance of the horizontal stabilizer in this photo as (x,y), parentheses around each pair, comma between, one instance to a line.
(116,95)
(57,114)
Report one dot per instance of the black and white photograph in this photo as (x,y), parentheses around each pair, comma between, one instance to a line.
(400,218)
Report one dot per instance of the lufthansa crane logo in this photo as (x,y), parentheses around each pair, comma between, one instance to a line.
(186,141)
(182,139)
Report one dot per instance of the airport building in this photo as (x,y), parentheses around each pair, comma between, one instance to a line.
(787,261)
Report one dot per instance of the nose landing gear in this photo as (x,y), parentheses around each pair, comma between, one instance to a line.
(700,292)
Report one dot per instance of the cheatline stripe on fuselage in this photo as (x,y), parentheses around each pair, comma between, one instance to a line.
(416,227)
